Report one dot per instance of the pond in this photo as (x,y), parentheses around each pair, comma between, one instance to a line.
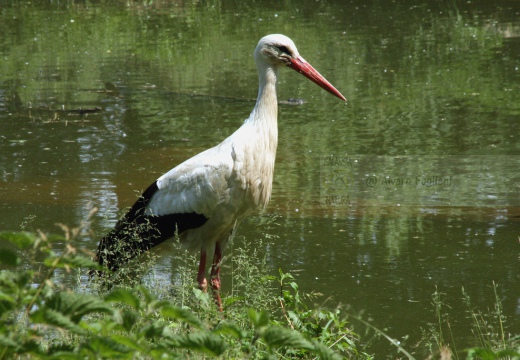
(410,187)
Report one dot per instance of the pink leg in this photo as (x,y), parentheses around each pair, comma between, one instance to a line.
(215,275)
(201,276)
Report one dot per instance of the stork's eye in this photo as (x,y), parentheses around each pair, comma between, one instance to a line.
(284,50)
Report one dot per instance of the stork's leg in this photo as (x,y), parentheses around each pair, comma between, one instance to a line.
(215,275)
(201,276)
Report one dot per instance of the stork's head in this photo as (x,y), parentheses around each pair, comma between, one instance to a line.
(277,49)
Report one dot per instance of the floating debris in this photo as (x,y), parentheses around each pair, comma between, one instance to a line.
(292,101)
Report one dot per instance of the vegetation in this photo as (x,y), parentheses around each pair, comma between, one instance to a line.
(493,342)
(41,318)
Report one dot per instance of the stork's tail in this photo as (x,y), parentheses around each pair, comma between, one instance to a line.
(131,238)
(138,232)
(126,241)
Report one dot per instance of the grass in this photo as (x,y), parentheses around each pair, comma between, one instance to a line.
(120,318)
(491,340)
(265,317)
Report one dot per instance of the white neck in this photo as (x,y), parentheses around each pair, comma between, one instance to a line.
(262,140)
(265,112)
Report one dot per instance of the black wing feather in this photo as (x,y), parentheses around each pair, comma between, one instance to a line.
(137,232)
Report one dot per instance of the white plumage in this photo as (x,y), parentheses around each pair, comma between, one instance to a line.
(206,196)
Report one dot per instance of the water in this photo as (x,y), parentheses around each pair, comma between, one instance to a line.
(410,187)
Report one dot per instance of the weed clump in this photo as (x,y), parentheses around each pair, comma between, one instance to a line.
(41,318)
(488,331)
(265,317)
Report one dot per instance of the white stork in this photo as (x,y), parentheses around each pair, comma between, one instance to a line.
(204,198)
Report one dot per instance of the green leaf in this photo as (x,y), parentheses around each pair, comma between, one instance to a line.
(203,297)
(9,257)
(146,293)
(228,301)
(284,276)
(109,348)
(60,351)
(259,319)
(324,352)
(278,336)
(56,318)
(62,355)
(15,280)
(127,342)
(177,313)
(204,342)
(71,306)
(153,330)
(488,354)
(124,296)
(295,318)
(22,239)
(30,346)
(7,303)
(6,342)
(128,319)
(230,329)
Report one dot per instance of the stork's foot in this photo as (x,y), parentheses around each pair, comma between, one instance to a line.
(215,275)
(203,284)
(201,276)
(215,286)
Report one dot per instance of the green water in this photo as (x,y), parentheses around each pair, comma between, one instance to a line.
(412,185)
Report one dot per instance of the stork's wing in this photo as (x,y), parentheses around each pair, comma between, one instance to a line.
(184,198)
(196,186)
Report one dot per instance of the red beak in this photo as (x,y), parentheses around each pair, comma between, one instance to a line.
(304,68)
